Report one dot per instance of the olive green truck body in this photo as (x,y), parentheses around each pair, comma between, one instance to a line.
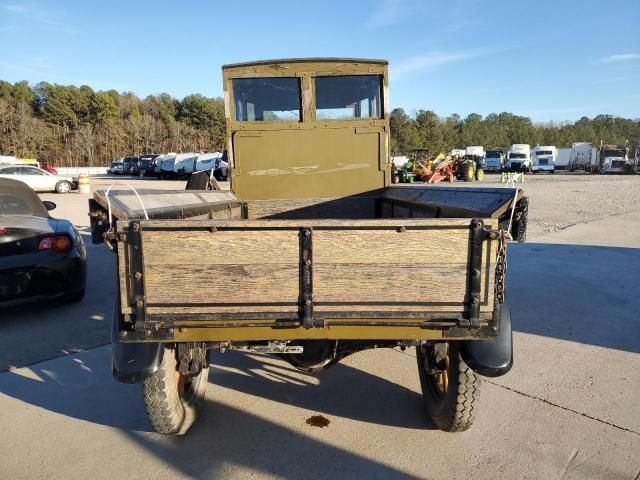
(311,255)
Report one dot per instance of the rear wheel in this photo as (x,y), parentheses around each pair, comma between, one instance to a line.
(468,172)
(63,186)
(451,393)
(173,400)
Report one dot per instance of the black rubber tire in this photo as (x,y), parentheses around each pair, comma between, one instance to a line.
(169,412)
(468,172)
(453,411)
(63,186)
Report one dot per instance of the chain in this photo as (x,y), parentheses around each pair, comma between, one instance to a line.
(501,266)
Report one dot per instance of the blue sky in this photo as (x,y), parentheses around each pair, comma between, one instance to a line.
(550,60)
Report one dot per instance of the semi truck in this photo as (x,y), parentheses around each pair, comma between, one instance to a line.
(519,158)
(583,157)
(311,211)
(613,159)
(477,154)
(494,161)
(543,158)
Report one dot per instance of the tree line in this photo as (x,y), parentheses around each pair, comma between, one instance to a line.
(437,134)
(77,126)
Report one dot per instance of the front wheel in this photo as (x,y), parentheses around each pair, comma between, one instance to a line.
(173,400)
(63,186)
(451,393)
(480,174)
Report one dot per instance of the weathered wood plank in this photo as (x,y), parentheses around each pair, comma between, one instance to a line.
(221,247)
(250,283)
(123,274)
(399,282)
(390,247)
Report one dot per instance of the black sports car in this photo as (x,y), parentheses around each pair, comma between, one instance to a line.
(40,256)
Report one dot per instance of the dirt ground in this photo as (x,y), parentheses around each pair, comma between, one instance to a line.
(566,199)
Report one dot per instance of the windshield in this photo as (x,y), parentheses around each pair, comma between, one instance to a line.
(348,97)
(18,199)
(493,155)
(115,164)
(517,155)
(544,152)
(614,153)
(12,205)
(267,99)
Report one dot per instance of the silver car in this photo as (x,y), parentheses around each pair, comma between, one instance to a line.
(38,179)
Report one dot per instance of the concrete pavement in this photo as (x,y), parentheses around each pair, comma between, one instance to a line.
(569,408)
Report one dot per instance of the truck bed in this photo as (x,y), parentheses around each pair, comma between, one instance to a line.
(306,269)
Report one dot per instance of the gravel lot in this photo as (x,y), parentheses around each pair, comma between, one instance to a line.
(565,199)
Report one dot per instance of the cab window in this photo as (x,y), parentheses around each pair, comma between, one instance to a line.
(30,171)
(348,97)
(267,99)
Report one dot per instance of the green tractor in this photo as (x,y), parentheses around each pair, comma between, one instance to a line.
(468,170)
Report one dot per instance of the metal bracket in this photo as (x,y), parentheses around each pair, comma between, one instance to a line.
(478,234)
(306,293)
(136,282)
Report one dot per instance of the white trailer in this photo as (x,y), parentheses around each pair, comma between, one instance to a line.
(583,157)
(562,159)
(166,164)
(543,158)
(519,158)
(185,163)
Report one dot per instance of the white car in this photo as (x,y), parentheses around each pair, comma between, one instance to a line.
(38,179)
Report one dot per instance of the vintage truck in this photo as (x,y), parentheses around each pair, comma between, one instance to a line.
(312,255)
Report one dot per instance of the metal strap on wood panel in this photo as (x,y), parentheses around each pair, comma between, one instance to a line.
(478,234)
(136,282)
(306,287)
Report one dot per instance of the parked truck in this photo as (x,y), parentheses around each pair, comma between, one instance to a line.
(148,164)
(311,211)
(494,161)
(476,153)
(634,157)
(543,159)
(613,159)
(583,157)
(519,158)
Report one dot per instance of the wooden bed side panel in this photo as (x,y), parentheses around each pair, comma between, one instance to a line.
(248,266)
(254,266)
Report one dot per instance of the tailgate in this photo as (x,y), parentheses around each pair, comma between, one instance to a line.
(272,279)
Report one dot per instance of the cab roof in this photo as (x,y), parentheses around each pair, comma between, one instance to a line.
(306,60)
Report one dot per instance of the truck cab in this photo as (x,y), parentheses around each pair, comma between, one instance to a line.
(519,158)
(309,128)
(613,159)
(543,159)
(494,161)
(477,154)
